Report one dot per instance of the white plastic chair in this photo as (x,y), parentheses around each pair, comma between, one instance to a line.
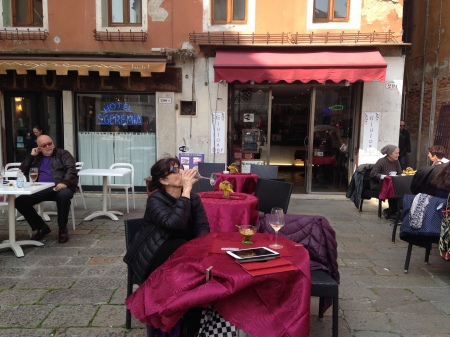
(12,167)
(79,167)
(124,186)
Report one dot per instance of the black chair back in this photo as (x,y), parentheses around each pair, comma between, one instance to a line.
(206,169)
(264,171)
(202,185)
(402,186)
(132,227)
(272,193)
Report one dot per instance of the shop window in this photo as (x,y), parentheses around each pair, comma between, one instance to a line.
(228,11)
(24,13)
(116,128)
(331,10)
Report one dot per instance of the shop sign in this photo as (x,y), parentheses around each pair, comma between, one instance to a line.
(118,113)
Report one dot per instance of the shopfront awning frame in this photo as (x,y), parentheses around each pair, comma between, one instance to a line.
(83,65)
(346,64)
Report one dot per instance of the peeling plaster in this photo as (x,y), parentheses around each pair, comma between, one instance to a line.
(380,10)
(156,12)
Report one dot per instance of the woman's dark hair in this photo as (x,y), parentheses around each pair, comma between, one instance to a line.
(39,128)
(161,169)
(437,150)
(442,179)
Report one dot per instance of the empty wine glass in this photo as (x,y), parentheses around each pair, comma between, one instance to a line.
(212,179)
(34,172)
(276,221)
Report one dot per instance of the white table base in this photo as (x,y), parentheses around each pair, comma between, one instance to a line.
(12,243)
(104,211)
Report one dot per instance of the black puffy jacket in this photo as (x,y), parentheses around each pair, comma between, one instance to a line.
(165,217)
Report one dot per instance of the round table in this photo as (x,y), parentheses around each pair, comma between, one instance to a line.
(225,214)
(242,182)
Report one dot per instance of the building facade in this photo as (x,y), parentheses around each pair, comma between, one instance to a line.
(309,84)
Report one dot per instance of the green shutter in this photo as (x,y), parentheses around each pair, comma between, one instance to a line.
(7,19)
(104,13)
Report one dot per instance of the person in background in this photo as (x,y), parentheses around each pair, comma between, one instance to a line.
(383,167)
(57,166)
(174,215)
(436,154)
(441,182)
(404,143)
(37,131)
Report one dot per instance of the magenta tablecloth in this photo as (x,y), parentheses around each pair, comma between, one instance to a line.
(386,189)
(242,182)
(225,214)
(264,306)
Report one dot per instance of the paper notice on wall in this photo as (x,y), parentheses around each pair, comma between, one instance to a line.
(218,132)
(370,140)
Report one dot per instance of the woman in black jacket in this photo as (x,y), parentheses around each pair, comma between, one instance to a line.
(174,215)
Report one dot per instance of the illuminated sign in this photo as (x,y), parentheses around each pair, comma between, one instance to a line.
(118,113)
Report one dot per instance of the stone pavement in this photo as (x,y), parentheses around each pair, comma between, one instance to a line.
(78,289)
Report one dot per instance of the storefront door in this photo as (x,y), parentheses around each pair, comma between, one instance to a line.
(24,111)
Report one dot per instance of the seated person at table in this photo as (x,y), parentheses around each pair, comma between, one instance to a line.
(421,182)
(442,182)
(57,166)
(173,216)
(382,168)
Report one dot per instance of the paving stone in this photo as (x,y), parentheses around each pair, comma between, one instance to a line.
(7,282)
(23,316)
(102,260)
(57,271)
(14,272)
(78,261)
(111,251)
(59,250)
(90,332)
(101,283)
(70,316)
(372,321)
(17,296)
(78,296)
(422,323)
(45,283)
(27,332)
(119,296)
(108,316)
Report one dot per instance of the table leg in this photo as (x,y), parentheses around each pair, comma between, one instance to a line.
(12,243)
(104,211)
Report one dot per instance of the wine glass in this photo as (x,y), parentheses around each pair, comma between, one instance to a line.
(34,172)
(212,179)
(276,221)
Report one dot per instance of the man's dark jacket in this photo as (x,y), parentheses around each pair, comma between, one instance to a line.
(165,217)
(62,165)
(421,182)
(355,188)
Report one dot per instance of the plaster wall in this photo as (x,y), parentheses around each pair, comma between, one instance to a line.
(387,101)
(165,117)
(195,131)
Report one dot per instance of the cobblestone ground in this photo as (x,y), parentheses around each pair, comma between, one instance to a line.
(78,288)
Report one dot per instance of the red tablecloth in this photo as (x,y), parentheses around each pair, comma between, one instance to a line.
(242,182)
(324,160)
(225,214)
(265,306)
(386,189)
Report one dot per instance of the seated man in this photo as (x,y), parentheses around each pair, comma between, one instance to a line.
(55,165)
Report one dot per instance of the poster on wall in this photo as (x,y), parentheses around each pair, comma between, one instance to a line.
(218,132)
(370,140)
(190,160)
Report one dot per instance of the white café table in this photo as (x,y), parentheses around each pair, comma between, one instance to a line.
(12,192)
(105,173)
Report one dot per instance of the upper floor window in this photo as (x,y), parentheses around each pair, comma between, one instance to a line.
(228,11)
(331,10)
(27,13)
(124,12)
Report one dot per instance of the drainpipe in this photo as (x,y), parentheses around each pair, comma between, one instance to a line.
(422,90)
(435,83)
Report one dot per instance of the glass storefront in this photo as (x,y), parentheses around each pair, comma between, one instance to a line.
(116,128)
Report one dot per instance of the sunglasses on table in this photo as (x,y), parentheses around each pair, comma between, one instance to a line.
(43,146)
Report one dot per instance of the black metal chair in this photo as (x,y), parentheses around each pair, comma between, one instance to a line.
(402,186)
(132,226)
(323,286)
(368,193)
(264,171)
(272,193)
(206,169)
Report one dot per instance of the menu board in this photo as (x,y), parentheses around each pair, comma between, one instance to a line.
(218,132)
(190,160)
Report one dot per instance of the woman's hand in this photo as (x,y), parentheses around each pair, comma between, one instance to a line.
(187,179)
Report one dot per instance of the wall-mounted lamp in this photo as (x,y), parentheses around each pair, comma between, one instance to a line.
(19,107)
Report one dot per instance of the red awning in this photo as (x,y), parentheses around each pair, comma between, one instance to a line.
(338,65)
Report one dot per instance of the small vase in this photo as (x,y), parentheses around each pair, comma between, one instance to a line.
(225,194)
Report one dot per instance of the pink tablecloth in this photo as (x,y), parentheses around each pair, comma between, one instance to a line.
(225,214)
(265,306)
(386,189)
(242,182)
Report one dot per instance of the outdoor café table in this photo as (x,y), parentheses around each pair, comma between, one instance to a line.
(12,192)
(105,173)
(225,214)
(267,305)
(242,182)
(387,187)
